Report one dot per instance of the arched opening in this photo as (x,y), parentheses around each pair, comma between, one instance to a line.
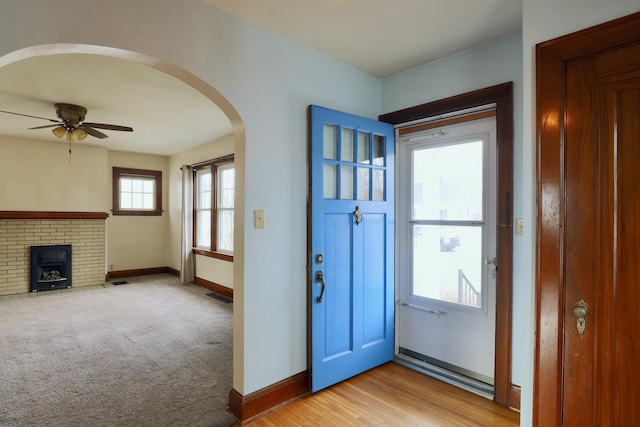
(237,135)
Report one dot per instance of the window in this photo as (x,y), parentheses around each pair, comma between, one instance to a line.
(214,192)
(137,192)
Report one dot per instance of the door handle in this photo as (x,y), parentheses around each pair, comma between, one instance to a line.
(320,279)
(580,310)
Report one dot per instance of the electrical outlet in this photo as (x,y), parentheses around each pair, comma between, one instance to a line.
(519,227)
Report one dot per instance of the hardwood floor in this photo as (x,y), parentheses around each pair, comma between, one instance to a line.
(390,395)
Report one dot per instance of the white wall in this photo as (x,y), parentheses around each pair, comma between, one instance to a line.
(135,242)
(544,20)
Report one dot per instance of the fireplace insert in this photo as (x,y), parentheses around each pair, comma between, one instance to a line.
(50,267)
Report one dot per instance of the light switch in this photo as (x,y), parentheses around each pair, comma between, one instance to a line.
(258,218)
(519,227)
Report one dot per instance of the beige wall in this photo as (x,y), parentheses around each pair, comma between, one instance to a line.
(135,242)
(213,270)
(40,176)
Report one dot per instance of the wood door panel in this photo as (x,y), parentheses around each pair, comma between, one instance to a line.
(600,240)
(582,192)
(589,227)
(625,351)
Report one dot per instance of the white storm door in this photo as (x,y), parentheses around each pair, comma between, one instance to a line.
(447,247)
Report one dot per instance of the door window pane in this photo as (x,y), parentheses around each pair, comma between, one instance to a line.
(378,150)
(447,263)
(347,145)
(363,148)
(346,183)
(378,184)
(330,181)
(363,183)
(447,182)
(330,142)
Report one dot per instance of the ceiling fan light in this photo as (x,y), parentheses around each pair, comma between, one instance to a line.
(80,134)
(59,131)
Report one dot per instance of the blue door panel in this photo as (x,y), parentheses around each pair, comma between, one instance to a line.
(374,295)
(338,294)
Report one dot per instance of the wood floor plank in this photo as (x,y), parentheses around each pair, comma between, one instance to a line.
(390,395)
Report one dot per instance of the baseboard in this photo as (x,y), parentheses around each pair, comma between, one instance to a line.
(244,408)
(141,272)
(514,397)
(215,287)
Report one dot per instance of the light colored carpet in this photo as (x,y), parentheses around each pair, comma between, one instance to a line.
(152,352)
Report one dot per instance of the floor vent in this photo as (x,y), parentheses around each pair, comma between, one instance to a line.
(120,282)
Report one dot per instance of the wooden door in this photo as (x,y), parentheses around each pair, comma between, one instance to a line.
(351,245)
(588,284)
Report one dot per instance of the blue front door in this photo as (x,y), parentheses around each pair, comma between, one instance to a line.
(351,245)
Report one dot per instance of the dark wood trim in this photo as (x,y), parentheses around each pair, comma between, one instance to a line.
(515,397)
(173,271)
(502,96)
(211,254)
(52,215)
(244,408)
(214,287)
(446,122)
(118,172)
(447,105)
(551,59)
(140,272)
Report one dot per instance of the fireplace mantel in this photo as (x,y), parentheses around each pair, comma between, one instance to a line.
(52,215)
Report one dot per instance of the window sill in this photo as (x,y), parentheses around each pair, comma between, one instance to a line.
(211,254)
(131,212)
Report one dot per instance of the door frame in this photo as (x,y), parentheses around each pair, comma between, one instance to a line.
(551,81)
(502,96)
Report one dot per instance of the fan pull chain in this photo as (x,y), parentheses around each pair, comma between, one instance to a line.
(69,152)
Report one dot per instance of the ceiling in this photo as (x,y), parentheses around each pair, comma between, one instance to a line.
(114,91)
(120,92)
(384,37)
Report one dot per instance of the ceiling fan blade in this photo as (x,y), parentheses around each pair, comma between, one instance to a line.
(28,115)
(45,126)
(91,131)
(109,127)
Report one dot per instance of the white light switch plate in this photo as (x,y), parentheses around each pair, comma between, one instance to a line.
(258,218)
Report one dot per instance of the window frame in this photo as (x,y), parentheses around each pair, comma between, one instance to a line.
(214,165)
(156,176)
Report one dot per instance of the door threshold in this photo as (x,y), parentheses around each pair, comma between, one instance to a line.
(453,378)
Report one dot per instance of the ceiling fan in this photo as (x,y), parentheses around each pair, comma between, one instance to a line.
(72,125)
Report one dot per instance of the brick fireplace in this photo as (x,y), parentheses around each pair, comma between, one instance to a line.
(85,232)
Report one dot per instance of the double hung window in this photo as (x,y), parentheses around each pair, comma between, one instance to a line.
(214,192)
